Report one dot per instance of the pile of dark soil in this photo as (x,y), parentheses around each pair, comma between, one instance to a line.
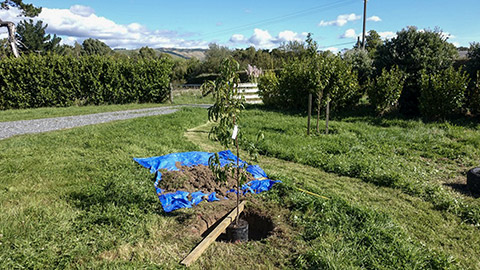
(198,178)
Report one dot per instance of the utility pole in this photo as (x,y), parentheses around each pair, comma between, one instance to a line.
(364,22)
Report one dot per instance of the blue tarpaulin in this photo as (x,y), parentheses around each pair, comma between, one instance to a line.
(179,199)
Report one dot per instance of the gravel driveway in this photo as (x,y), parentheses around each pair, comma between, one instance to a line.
(9,129)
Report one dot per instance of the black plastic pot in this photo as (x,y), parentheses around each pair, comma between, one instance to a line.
(238,233)
(473,180)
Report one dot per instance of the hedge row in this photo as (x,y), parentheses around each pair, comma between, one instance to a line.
(52,80)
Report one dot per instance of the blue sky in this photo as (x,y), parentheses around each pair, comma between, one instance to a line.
(335,24)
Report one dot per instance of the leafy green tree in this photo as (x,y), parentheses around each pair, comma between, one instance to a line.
(372,42)
(95,47)
(361,62)
(473,64)
(214,57)
(268,88)
(226,112)
(33,37)
(442,93)
(385,90)
(414,51)
(27,10)
(474,96)
(250,56)
(147,53)
(473,68)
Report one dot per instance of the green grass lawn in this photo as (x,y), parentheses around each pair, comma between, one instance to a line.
(180,97)
(426,160)
(76,199)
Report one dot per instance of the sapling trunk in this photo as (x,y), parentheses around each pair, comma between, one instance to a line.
(238,173)
(327,114)
(309,112)
(319,107)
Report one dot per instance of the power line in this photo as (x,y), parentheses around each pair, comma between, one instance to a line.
(282,18)
(339,44)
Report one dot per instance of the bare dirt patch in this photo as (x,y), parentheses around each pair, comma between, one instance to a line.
(198,178)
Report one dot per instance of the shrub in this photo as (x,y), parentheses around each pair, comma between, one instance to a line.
(52,80)
(413,51)
(443,93)
(295,84)
(386,89)
(361,63)
(473,101)
(341,83)
(268,88)
(328,73)
(473,64)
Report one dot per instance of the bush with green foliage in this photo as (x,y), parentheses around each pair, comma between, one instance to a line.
(413,51)
(473,64)
(361,63)
(341,83)
(268,88)
(95,47)
(328,73)
(442,93)
(385,90)
(473,100)
(295,82)
(52,80)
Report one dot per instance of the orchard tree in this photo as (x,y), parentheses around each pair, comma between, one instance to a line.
(27,10)
(214,57)
(226,111)
(473,64)
(473,68)
(414,51)
(33,38)
(361,62)
(372,42)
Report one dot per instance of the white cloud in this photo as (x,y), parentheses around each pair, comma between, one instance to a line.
(263,39)
(237,38)
(387,35)
(80,22)
(341,20)
(82,10)
(447,35)
(349,33)
(332,49)
(374,19)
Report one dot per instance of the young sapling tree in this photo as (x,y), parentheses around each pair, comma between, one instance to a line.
(226,112)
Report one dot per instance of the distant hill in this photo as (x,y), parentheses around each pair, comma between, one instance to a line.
(174,52)
(184,53)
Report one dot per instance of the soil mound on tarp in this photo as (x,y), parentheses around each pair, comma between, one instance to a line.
(198,178)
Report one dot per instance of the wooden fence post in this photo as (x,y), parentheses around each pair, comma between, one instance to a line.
(309,112)
(327,114)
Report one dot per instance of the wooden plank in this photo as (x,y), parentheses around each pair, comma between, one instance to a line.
(248,90)
(212,236)
(254,101)
(242,85)
(252,96)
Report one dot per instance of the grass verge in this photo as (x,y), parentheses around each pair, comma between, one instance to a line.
(363,225)
(75,199)
(426,160)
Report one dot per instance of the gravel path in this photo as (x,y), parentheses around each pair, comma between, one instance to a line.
(9,129)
